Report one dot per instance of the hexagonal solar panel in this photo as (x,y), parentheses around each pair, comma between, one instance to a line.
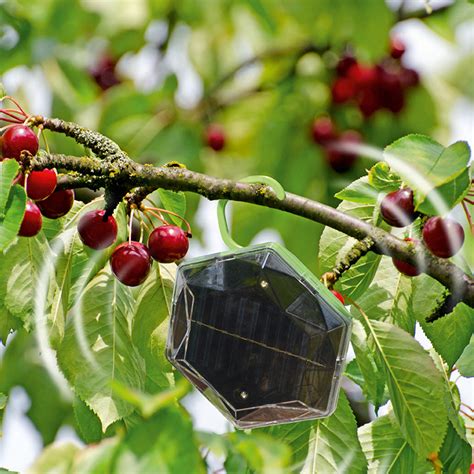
(258,335)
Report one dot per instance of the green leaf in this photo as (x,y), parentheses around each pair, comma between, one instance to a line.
(374,378)
(175,202)
(386,449)
(20,283)
(326,446)
(163,443)
(87,422)
(56,458)
(451,395)
(383,179)
(451,193)
(334,246)
(8,171)
(147,404)
(412,380)
(390,297)
(95,459)
(12,203)
(261,452)
(150,326)
(97,348)
(456,453)
(449,334)
(359,191)
(426,165)
(465,363)
(12,216)
(22,365)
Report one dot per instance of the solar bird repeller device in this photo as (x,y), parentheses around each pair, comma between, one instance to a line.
(257,333)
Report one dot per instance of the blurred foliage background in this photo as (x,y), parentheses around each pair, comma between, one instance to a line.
(153,74)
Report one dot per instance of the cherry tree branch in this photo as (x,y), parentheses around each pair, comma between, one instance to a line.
(126,174)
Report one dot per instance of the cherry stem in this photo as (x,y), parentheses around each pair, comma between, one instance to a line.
(150,221)
(3,119)
(467,415)
(467,406)
(157,215)
(10,113)
(188,227)
(468,216)
(469,201)
(11,99)
(130,225)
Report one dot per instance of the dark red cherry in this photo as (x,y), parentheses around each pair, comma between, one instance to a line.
(397,48)
(408,77)
(41,184)
(32,220)
(215,137)
(397,208)
(131,263)
(104,72)
(323,130)
(406,268)
(95,231)
(444,237)
(18,138)
(369,102)
(342,90)
(363,76)
(168,243)
(338,296)
(339,155)
(344,64)
(392,94)
(58,204)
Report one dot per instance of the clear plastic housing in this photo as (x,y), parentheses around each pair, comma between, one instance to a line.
(259,335)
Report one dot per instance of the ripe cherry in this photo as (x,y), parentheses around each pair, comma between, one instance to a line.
(18,138)
(363,76)
(397,208)
(32,221)
(338,296)
(58,204)
(168,243)
(408,77)
(397,48)
(342,90)
(369,101)
(104,73)
(215,137)
(41,184)
(131,263)
(406,268)
(341,160)
(323,130)
(391,91)
(96,231)
(344,64)
(444,237)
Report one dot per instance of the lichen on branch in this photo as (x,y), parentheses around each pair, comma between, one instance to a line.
(116,171)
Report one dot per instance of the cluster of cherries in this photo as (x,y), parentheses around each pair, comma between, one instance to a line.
(130,261)
(371,88)
(337,145)
(374,87)
(40,186)
(443,236)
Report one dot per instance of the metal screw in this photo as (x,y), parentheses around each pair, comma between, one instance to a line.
(244,394)
(264,284)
